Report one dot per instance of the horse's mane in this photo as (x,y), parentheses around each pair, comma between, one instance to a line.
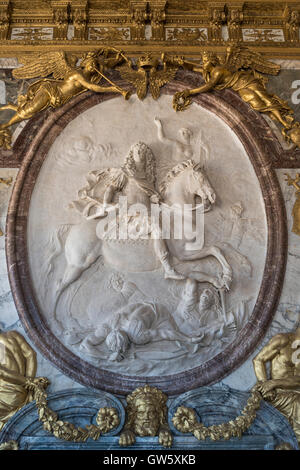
(176,170)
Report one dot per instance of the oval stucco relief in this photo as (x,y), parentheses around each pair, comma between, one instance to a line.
(117,311)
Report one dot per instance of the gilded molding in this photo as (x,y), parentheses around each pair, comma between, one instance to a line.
(61,18)
(79,18)
(138,15)
(148,23)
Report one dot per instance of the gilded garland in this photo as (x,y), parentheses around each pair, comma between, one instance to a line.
(67,75)
(185,420)
(107,418)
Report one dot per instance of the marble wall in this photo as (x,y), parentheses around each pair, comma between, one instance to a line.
(287,316)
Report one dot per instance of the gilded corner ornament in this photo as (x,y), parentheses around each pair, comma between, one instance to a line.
(146,415)
(241,70)
(68,80)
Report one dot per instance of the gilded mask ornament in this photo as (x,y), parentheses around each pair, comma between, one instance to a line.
(146,416)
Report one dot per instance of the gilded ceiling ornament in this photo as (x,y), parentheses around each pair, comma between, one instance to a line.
(17,366)
(235,19)
(158,17)
(139,16)
(146,415)
(282,386)
(292,22)
(4,20)
(296,209)
(187,34)
(242,70)
(68,80)
(185,420)
(107,418)
(147,72)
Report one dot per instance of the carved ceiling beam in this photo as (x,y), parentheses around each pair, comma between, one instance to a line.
(139,15)
(15,48)
(291,24)
(217,18)
(61,18)
(79,18)
(158,17)
(175,24)
(235,17)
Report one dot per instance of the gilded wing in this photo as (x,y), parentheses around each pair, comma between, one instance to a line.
(138,78)
(42,65)
(239,57)
(159,78)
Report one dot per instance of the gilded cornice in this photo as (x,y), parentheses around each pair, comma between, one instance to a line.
(137,26)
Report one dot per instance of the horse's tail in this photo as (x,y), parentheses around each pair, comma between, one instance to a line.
(54,247)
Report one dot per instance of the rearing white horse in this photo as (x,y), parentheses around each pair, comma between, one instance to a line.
(181,186)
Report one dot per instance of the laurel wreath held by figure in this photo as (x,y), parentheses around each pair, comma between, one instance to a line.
(185,420)
(107,418)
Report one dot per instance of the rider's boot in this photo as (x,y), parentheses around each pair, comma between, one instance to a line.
(170,272)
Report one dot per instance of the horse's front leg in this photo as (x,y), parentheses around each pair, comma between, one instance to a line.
(189,255)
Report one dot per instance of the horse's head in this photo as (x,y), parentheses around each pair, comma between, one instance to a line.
(185,181)
(201,187)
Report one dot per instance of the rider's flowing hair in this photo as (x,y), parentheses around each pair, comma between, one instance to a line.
(150,162)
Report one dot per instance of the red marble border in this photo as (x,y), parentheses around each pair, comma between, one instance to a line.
(249,126)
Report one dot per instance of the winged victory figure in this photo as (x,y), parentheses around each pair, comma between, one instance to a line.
(241,71)
(68,80)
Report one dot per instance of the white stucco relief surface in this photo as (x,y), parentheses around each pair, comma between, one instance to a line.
(126,311)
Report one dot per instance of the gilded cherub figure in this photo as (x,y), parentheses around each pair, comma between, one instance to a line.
(146,416)
(68,81)
(242,72)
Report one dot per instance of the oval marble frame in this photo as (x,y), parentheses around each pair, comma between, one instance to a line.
(250,128)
